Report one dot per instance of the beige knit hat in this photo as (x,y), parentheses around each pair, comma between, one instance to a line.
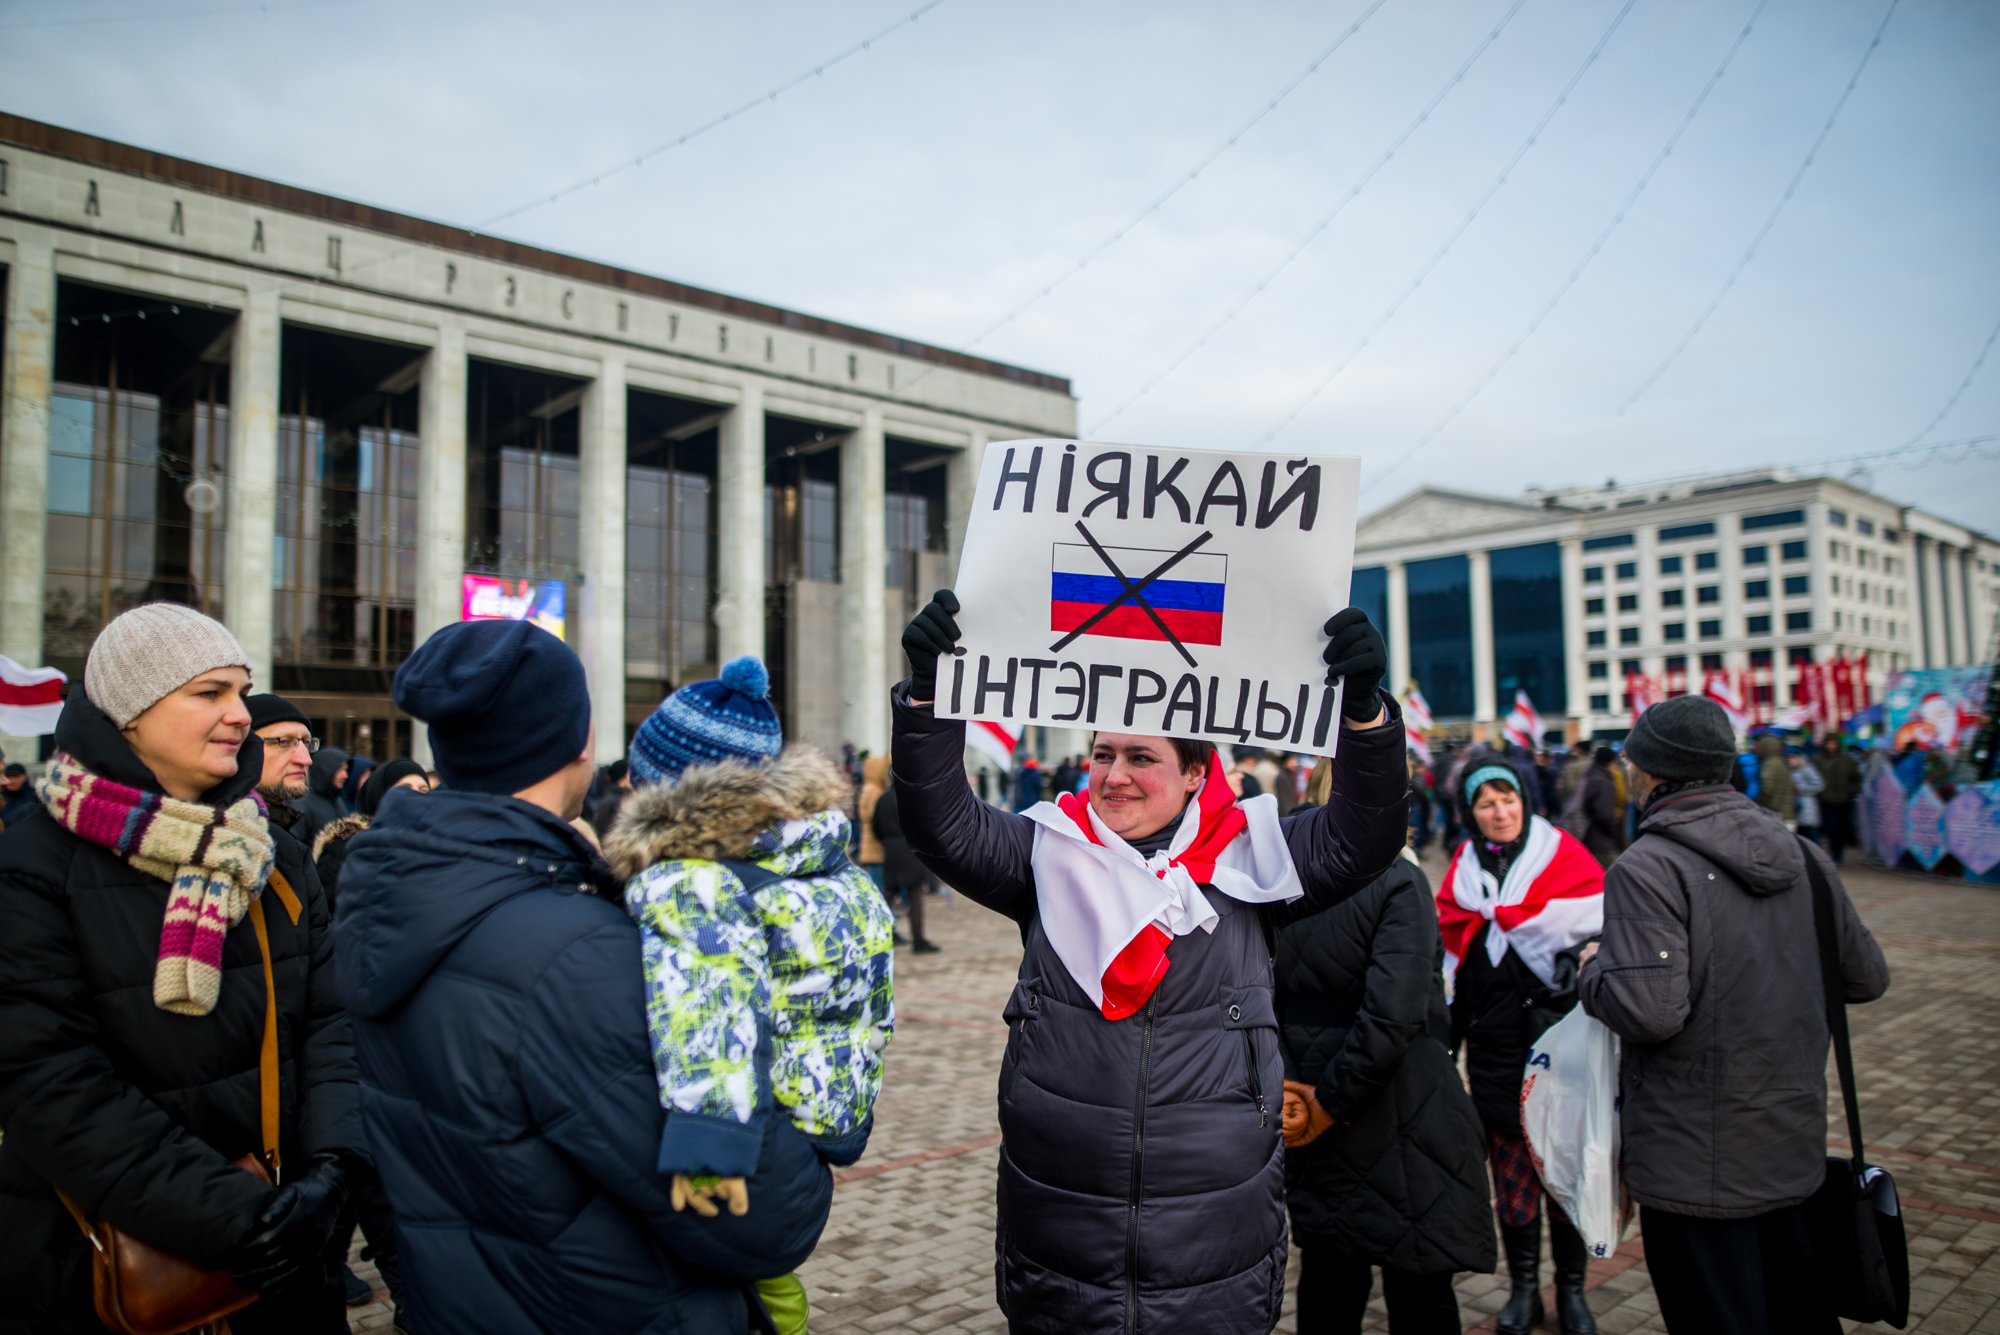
(146,654)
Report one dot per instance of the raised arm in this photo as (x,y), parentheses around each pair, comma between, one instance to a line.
(1340,847)
(979,850)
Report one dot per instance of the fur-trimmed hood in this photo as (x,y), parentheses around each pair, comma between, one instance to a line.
(716,812)
(340,829)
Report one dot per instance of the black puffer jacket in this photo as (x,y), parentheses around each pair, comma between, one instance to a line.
(1362,1014)
(1142,1179)
(134,1111)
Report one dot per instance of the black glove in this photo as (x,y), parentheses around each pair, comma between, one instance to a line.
(1357,653)
(931,634)
(285,1251)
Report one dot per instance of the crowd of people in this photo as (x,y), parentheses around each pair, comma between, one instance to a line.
(578,1047)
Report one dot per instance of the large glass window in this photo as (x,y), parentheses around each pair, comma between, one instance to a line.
(669,546)
(138,432)
(1528,626)
(522,483)
(915,506)
(1440,598)
(345,559)
(1368,589)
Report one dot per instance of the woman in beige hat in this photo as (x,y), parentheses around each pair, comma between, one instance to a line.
(134,1002)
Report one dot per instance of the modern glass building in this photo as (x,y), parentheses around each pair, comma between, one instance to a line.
(1559,595)
(339,428)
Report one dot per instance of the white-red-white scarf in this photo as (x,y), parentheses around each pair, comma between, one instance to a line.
(1110,913)
(1551,900)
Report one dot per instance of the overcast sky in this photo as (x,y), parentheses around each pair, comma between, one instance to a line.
(934,183)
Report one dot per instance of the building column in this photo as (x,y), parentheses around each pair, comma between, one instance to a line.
(30,349)
(1479,573)
(249,572)
(1577,684)
(1922,551)
(864,561)
(1398,629)
(961,481)
(740,576)
(1952,631)
(440,494)
(601,482)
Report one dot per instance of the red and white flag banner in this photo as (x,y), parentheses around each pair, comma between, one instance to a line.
(31,699)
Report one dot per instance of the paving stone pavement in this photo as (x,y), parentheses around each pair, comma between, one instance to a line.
(910,1243)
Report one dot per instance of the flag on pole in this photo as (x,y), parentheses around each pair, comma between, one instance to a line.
(1718,687)
(1416,711)
(30,699)
(1524,725)
(1418,748)
(1641,693)
(995,739)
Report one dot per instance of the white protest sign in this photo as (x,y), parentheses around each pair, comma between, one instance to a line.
(1170,593)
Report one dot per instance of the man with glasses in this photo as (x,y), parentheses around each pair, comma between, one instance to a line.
(288,751)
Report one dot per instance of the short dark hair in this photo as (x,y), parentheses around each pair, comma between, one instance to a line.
(1186,750)
(15,772)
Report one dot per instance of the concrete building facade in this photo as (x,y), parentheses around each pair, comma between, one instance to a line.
(1561,593)
(316,419)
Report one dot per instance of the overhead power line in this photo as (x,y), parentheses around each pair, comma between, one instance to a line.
(762,99)
(157,15)
(1324,222)
(1770,222)
(1180,182)
(1563,288)
(1471,214)
(1963,385)
(714,122)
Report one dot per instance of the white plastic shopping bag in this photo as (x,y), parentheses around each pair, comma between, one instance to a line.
(1569,1112)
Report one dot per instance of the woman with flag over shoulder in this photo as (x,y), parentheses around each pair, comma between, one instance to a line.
(1142,1177)
(1517,905)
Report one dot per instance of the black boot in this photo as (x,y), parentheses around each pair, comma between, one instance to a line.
(1572,1260)
(1523,1311)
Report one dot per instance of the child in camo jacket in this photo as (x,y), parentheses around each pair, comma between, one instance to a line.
(767,954)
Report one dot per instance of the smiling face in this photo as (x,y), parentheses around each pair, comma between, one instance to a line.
(190,738)
(1496,810)
(1137,785)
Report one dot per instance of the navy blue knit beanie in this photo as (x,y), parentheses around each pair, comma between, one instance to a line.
(506,702)
(709,721)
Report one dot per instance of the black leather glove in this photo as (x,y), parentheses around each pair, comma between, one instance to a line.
(1357,653)
(932,633)
(285,1250)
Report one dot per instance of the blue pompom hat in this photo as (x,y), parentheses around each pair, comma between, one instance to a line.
(709,721)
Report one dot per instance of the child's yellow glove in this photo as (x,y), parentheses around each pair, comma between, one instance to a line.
(703,1193)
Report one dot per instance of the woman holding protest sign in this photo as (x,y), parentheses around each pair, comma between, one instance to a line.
(1516,907)
(1142,1178)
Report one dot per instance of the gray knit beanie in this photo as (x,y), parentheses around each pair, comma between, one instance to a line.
(148,653)
(1683,740)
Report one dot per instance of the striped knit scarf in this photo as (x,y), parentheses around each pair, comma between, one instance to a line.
(216,859)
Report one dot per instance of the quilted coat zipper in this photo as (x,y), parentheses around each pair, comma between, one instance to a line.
(1256,1079)
(1138,1173)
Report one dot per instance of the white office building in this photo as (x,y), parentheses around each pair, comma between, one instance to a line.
(1563,593)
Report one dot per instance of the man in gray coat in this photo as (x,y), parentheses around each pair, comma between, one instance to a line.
(1709,970)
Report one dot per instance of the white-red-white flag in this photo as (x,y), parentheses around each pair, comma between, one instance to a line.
(1416,711)
(31,699)
(995,739)
(1719,687)
(1524,725)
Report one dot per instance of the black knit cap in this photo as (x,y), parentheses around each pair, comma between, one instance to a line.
(506,703)
(268,709)
(1683,740)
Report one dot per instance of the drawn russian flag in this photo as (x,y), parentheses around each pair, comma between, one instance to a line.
(1187,598)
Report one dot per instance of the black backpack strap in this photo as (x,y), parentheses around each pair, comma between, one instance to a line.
(1836,994)
(754,877)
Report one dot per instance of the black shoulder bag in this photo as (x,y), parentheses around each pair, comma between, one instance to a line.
(1853,1220)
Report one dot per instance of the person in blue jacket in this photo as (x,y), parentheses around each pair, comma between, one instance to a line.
(498,1004)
